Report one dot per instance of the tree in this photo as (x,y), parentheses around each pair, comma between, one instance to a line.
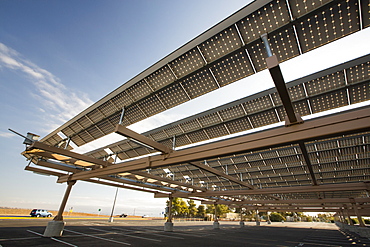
(221,209)
(192,210)
(201,211)
(179,207)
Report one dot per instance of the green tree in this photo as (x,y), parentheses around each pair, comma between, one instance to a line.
(192,210)
(201,211)
(179,207)
(221,209)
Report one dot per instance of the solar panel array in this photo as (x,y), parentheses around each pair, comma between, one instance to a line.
(342,159)
(228,52)
(284,166)
(339,86)
(231,54)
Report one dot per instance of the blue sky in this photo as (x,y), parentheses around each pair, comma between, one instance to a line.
(57,57)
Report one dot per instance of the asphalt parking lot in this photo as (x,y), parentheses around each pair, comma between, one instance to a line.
(98,232)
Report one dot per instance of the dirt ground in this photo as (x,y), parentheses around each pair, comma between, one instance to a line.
(26,212)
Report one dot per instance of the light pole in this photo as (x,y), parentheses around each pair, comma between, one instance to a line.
(114,203)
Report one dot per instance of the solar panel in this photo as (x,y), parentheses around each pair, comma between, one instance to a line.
(330,24)
(232,52)
(222,43)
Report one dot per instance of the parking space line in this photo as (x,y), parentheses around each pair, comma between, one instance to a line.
(92,236)
(318,244)
(127,235)
(15,239)
(192,233)
(39,234)
(147,232)
(60,241)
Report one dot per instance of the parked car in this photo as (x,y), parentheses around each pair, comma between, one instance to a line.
(145,216)
(123,215)
(40,213)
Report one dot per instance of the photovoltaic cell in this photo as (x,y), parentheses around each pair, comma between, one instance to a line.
(264,20)
(216,131)
(222,43)
(258,104)
(232,68)
(283,44)
(325,83)
(210,120)
(160,78)
(300,8)
(358,73)
(173,95)
(238,125)
(151,105)
(199,84)
(187,63)
(329,101)
(328,25)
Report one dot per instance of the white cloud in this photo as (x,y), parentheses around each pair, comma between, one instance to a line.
(6,134)
(58,103)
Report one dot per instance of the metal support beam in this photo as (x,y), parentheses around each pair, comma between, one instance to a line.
(221,174)
(62,151)
(341,216)
(277,77)
(169,218)
(151,189)
(142,139)
(358,214)
(166,180)
(257,218)
(308,162)
(121,117)
(168,225)
(216,224)
(59,216)
(348,214)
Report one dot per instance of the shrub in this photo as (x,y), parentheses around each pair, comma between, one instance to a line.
(276,217)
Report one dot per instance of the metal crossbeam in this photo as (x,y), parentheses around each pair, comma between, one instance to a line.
(282,190)
(142,139)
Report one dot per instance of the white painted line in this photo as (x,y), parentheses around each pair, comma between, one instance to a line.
(60,241)
(92,236)
(39,234)
(15,239)
(63,242)
(309,243)
(147,232)
(127,235)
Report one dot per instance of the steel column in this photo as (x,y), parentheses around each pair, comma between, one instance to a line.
(360,221)
(59,216)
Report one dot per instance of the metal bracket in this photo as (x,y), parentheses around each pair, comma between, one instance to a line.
(122,115)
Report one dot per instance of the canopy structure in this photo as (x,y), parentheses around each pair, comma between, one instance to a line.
(320,164)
